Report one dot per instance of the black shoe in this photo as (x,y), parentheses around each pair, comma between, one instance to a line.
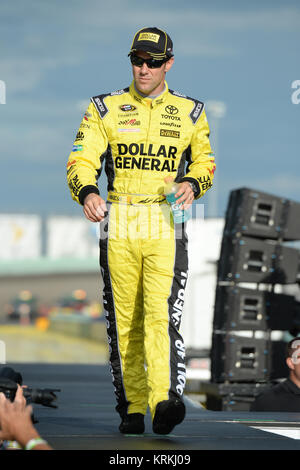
(168,414)
(132,424)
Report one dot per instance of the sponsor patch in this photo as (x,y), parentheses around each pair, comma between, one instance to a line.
(171,124)
(205,182)
(145,163)
(196,111)
(127,107)
(71,163)
(130,129)
(148,37)
(177,93)
(79,136)
(169,133)
(129,122)
(75,185)
(77,148)
(118,92)
(170,117)
(124,115)
(150,150)
(87,115)
(170,109)
(99,102)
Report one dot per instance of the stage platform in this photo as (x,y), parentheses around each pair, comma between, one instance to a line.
(86,419)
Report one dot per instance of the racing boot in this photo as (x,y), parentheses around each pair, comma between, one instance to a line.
(132,424)
(168,414)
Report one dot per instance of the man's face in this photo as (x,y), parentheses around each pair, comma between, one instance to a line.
(294,364)
(150,81)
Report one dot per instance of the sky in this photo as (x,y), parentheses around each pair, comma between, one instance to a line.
(55,55)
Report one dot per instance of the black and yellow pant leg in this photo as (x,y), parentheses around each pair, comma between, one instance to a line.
(121,265)
(165,269)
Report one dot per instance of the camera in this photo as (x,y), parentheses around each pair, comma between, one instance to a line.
(9,380)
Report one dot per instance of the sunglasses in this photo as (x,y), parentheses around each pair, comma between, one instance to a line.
(151,63)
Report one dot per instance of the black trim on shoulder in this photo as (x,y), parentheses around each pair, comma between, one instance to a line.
(99,101)
(196,111)
(100,105)
(198,105)
(180,95)
(119,92)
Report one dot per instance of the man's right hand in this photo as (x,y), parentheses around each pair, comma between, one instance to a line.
(94,207)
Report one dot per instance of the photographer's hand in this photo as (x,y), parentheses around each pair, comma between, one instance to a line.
(16,423)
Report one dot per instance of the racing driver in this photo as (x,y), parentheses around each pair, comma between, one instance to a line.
(143,135)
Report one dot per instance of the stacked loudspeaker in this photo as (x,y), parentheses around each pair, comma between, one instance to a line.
(256,265)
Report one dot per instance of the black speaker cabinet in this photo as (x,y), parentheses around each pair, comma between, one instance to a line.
(246,259)
(239,396)
(232,396)
(262,215)
(241,359)
(238,308)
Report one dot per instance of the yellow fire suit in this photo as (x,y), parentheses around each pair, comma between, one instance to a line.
(143,254)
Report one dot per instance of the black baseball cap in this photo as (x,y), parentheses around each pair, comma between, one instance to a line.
(155,41)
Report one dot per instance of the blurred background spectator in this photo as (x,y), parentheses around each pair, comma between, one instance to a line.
(284,396)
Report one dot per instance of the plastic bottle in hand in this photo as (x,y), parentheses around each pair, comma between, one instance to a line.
(170,189)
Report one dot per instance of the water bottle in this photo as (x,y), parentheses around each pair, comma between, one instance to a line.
(179,215)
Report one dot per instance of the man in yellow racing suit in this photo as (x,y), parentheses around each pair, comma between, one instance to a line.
(141,135)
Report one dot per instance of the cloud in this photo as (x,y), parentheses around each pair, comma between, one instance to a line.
(263,20)
(24,74)
(204,48)
(78,44)
(61,34)
(39,143)
(284,185)
(82,105)
(192,14)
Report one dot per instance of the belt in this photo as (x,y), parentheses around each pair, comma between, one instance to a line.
(143,199)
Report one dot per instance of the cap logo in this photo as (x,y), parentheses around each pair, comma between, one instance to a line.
(148,37)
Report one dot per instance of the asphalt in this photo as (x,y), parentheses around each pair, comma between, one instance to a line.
(85,418)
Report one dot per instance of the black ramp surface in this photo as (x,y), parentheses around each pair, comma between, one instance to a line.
(86,418)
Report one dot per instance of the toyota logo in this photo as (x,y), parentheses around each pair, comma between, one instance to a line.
(171,109)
